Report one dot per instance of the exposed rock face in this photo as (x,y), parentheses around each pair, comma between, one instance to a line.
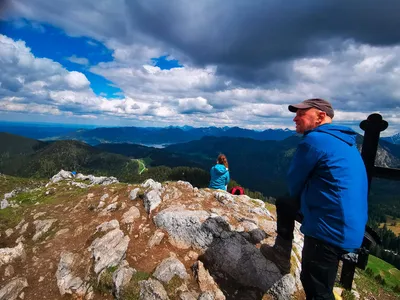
(4,203)
(152,195)
(184,227)
(174,241)
(9,255)
(243,270)
(12,289)
(42,226)
(156,239)
(93,180)
(168,268)
(66,281)
(152,290)
(121,277)
(109,250)
(207,284)
(284,288)
(130,216)
(107,226)
(134,193)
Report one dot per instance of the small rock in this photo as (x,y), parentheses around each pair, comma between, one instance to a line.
(20,224)
(12,289)
(8,255)
(42,226)
(152,289)
(191,255)
(9,271)
(104,197)
(133,194)
(168,268)
(24,228)
(62,231)
(107,226)
(38,215)
(156,238)
(112,207)
(207,283)
(9,232)
(130,216)
(122,276)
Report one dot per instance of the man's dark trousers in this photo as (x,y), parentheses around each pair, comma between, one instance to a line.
(319,259)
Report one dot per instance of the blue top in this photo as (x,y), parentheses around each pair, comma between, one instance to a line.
(219,177)
(328,174)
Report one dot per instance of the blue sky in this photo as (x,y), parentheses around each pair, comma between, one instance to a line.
(155,64)
(49,42)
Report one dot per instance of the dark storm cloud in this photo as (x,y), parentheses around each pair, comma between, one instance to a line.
(244,37)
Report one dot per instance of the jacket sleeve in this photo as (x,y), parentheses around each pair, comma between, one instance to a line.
(304,160)
(227,178)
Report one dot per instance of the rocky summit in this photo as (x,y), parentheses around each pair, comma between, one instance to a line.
(87,237)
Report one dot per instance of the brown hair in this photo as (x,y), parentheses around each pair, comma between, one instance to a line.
(222,160)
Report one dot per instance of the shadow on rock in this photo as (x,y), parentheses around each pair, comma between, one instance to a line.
(238,267)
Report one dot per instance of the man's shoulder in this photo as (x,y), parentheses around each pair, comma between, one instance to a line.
(313,138)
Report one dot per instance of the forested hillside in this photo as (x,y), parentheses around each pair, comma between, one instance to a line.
(30,158)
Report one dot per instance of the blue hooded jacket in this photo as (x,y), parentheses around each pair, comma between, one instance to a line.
(328,174)
(219,177)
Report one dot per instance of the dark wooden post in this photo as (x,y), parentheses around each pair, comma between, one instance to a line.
(372,127)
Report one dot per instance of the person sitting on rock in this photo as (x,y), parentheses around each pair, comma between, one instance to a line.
(220,174)
(328,183)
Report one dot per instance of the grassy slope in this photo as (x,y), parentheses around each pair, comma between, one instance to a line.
(370,288)
(387,271)
(10,217)
(9,183)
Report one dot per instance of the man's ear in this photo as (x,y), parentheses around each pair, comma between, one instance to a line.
(321,116)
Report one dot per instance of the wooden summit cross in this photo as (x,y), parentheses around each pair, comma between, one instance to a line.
(372,126)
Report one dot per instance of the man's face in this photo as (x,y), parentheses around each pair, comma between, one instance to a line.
(306,119)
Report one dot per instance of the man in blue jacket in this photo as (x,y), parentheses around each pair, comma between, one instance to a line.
(328,182)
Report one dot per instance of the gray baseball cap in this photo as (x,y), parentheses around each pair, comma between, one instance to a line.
(317,103)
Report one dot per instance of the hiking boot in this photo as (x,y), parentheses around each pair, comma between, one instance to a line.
(279,254)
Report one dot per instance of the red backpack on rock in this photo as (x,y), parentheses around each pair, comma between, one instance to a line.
(237,190)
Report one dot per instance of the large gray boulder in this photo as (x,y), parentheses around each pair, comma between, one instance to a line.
(109,250)
(62,175)
(184,227)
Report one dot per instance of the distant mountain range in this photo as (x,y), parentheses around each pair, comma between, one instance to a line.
(257,165)
(394,139)
(150,136)
(169,135)
(40,130)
